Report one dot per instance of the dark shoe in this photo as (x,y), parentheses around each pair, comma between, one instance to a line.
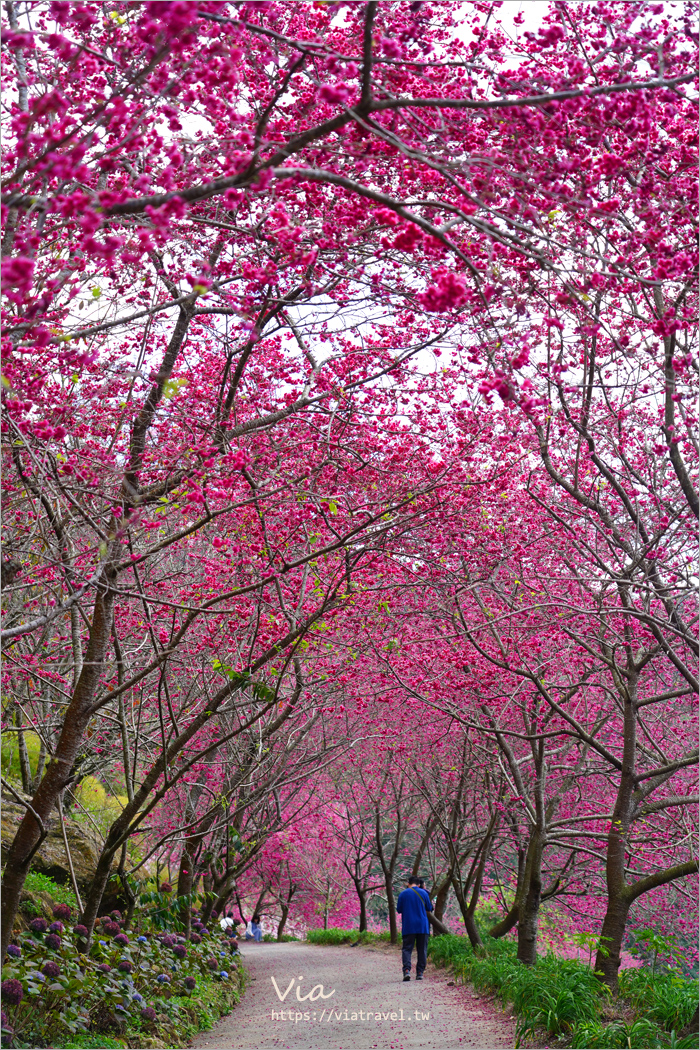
(407,977)
(419,976)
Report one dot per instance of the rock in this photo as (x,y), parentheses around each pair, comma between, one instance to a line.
(115,897)
(36,904)
(51,857)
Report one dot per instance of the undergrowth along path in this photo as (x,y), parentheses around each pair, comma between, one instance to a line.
(370,1008)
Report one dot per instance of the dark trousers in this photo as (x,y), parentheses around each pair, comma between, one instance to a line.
(421,942)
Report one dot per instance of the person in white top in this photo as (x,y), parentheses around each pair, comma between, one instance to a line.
(253,931)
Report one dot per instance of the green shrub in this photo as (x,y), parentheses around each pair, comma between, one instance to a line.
(36,882)
(565,998)
(10,754)
(642,1033)
(337,936)
(104,808)
(667,998)
(89,1042)
(70,997)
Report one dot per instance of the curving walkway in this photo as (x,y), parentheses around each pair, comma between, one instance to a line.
(370,1008)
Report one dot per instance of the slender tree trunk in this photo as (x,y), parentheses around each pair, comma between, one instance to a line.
(443,891)
(186,869)
(58,772)
(185,882)
(24,763)
(418,859)
(69,858)
(438,926)
(362,897)
(41,760)
(391,903)
(467,915)
(284,907)
(607,961)
(508,921)
(388,871)
(222,888)
(96,891)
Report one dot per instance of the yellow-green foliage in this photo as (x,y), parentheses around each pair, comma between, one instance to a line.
(10,754)
(102,807)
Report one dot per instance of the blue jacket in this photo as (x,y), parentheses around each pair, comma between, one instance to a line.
(412,910)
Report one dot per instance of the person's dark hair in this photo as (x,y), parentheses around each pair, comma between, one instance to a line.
(256,918)
(413,880)
(421,883)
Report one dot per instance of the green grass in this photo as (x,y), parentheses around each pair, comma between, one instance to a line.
(91,1042)
(36,882)
(337,936)
(564,997)
(667,999)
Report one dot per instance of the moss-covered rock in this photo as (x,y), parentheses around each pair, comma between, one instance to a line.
(51,857)
(35,905)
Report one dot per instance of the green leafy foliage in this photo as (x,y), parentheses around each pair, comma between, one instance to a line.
(641,1033)
(168,910)
(660,948)
(591,942)
(668,999)
(88,1042)
(564,997)
(71,997)
(36,882)
(337,936)
(9,751)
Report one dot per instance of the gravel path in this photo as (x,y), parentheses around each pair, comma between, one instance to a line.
(365,982)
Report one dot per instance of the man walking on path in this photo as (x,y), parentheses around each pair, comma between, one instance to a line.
(413,906)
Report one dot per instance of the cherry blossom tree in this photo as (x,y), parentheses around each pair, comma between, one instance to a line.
(238,239)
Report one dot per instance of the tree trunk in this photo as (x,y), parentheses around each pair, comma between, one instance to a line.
(186,870)
(96,891)
(468,916)
(507,922)
(391,904)
(24,763)
(472,931)
(528,913)
(58,772)
(283,921)
(443,891)
(388,871)
(438,926)
(362,895)
(222,888)
(185,883)
(418,859)
(41,760)
(607,962)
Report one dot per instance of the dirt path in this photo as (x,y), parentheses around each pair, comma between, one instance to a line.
(370,1006)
